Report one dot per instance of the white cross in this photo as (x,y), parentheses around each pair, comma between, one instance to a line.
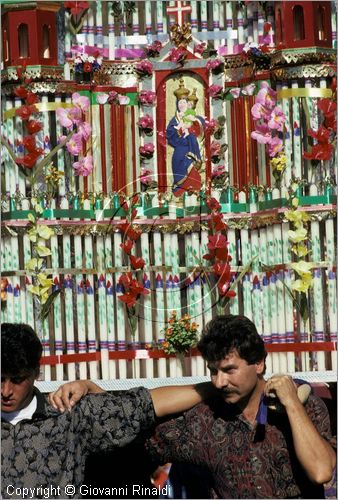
(179,10)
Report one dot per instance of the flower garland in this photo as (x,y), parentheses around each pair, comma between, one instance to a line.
(299,238)
(269,124)
(72,119)
(326,135)
(41,285)
(130,285)
(218,254)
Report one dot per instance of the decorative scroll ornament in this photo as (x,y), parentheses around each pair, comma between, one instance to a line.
(180,36)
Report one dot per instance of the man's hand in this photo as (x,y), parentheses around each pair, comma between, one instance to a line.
(65,397)
(285,391)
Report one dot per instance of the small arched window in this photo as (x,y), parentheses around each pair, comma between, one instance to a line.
(298,23)
(23,40)
(279,28)
(321,22)
(5,46)
(46,41)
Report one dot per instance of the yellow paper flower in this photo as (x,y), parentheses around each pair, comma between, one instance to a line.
(297,217)
(302,267)
(278,163)
(299,235)
(301,285)
(300,250)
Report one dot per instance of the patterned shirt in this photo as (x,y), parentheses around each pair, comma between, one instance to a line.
(49,451)
(245,461)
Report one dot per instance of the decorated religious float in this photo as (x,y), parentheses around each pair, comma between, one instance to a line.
(164,162)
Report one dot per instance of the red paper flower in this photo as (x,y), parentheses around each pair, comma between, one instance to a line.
(21,92)
(31,98)
(30,159)
(320,152)
(136,262)
(87,67)
(322,135)
(127,246)
(26,111)
(33,126)
(76,7)
(30,143)
(133,234)
(216,222)
(213,204)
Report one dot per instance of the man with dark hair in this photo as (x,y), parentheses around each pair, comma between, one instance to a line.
(43,451)
(250,450)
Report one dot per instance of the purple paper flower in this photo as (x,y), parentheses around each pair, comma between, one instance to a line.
(275,146)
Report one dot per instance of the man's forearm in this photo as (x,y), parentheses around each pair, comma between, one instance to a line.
(313,452)
(178,398)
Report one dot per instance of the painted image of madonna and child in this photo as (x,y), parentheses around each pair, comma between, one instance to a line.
(183,133)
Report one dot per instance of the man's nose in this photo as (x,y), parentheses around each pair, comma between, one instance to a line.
(6,388)
(220,380)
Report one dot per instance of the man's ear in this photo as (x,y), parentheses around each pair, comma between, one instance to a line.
(260,367)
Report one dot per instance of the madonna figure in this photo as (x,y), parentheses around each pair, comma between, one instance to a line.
(182,132)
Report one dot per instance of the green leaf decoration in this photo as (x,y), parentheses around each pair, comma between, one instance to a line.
(48,304)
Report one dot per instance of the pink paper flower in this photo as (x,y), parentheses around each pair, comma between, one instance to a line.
(214,64)
(215,91)
(113,97)
(63,117)
(211,126)
(259,111)
(277,119)
(81,101)
(262,134)
(144,68)
(76,115)
(217,171)
(102,98)
(266,96)
(85,130)
(147,97)
(215,149)
(146,122)
(200,48)
(177,55)
(74,145)
(147,150)
(235,92)
(275,146)
(146,177)
(84,166)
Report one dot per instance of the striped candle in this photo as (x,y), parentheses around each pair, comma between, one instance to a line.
(288,301)
(80,305)
(110,300)
(99,28)
(111,31)
(159,312)
(297,146)
(68,293)
(332,286)
(27,256)
(228,14)
(91,326)
(120,308)
(318,302)
(20,180)
(272,297)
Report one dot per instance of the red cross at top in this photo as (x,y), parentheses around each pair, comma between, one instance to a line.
(179,10)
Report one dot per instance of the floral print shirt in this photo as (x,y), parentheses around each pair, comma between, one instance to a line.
(245,461)
(50,450)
